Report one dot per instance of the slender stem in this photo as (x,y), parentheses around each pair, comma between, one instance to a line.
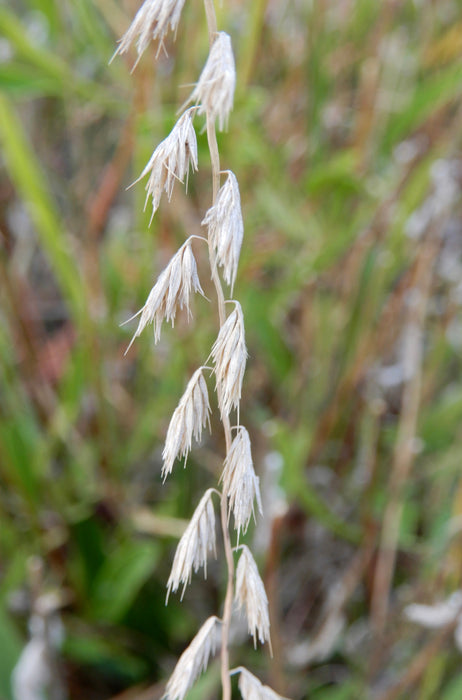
(211,20)
(228,604)
(404,453)
(215,159)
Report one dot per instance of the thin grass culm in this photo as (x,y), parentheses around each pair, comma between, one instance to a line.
(212,97)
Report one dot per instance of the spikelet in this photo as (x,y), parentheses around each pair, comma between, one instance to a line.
(189,418)
(251,595)
(229,355)
(214,91)
(252,689)
(151,22)
(226,227)
(172,290)
(193,661)
(240,483)
(171,160)
(197,540)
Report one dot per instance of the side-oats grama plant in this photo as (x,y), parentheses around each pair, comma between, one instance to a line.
(212,96)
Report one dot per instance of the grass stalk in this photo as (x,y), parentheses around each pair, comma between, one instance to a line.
(228,604)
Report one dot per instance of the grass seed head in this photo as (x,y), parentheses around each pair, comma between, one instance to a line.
(171,160)
(240,483)
(197,540)
(194,660)
(214,91)
(189,418)
(171,291)
(251,595)
(229,355)
(252,689)
(226,228)
(151,22)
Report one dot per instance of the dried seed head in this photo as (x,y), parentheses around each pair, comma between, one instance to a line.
(252,689)
(251,595)
(171,160)
(214,91)
(189,417)
(151,22)
(226,227)
(194,660)
(172,290)
(240,483)
(197,540)
(229,355)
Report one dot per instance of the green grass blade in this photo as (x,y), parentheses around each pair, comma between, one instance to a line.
(25,173)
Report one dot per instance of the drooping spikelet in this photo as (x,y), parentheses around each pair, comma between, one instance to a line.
(252,689)
(240,483)
(251,595)
(151,22)
(226,227)
(171,160)
(214,91)
(171,291)
(194,660)
(189,418)
(197,540)
(229,354)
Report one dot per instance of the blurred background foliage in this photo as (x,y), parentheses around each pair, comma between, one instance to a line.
(346,141)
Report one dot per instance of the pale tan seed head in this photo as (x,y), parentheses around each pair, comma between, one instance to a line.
(189,418)
(171,160)
(251,595)
(171,291)
(194,660)
(253,689)
(151,22)
(229,355)
(197,540)
(214,91)
(226,227)
(240,483)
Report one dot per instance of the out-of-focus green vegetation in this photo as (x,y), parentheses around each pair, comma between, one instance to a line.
(346,140)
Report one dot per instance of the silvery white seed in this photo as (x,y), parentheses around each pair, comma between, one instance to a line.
(214,91)
(189,417)
(171,160)
(251,595)
(240,483)
(229,355)
(194,660)
(226,227)
(151,22)
(197,540)
(172,290)
(252,689)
